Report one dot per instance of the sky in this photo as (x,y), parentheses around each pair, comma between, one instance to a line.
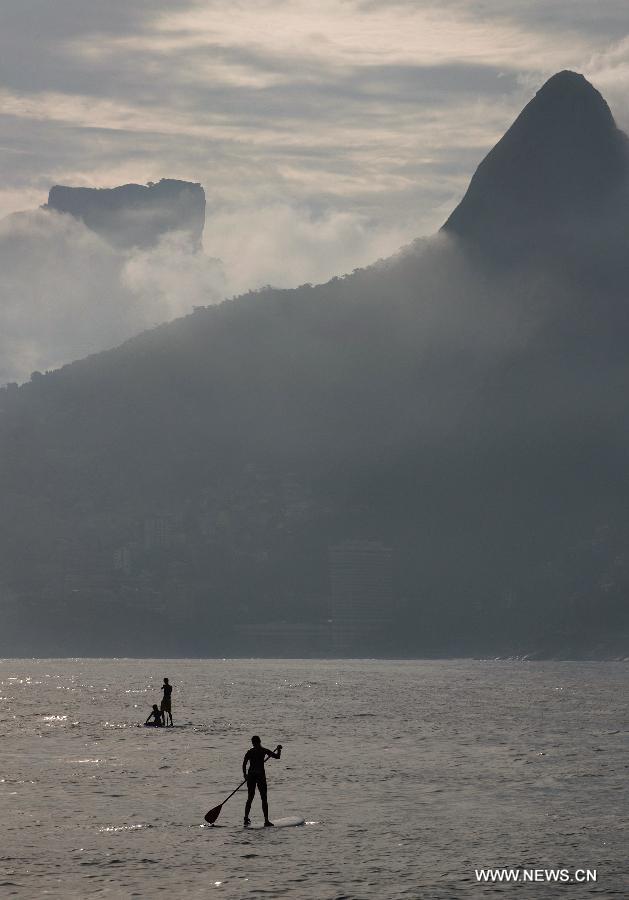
(325,135)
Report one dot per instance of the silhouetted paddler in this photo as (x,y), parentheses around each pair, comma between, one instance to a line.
(256,776)
(165,705)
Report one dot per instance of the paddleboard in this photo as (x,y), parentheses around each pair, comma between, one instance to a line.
(286,822)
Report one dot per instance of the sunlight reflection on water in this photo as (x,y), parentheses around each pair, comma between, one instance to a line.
(409,775)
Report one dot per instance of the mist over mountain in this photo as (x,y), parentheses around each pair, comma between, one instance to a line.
(93,266)
(135,215)
(427,456)
(79,281)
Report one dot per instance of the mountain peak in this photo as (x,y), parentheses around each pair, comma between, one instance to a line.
(567,80)
(562,158)
(573,101)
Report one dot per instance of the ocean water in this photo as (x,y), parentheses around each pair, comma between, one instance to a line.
(410,775)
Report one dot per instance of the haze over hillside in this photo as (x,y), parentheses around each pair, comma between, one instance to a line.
(95,266)
(426,456)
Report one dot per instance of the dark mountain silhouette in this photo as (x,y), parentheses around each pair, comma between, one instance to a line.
(135,214)
(428,456)
(562,161)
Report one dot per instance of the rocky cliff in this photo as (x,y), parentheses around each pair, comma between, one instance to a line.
(135,215)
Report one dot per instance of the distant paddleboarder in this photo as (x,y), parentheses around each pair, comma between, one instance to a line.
(165,707)
(255,776)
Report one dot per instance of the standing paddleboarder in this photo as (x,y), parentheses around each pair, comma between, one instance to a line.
(256,776)
(165,707)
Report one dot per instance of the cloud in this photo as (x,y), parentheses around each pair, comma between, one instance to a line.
(65,293)
(282,93)
(610,69)
(325,136)
(607,19)
(284,246)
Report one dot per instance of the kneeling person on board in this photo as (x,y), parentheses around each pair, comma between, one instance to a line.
(256,776)
(156,716)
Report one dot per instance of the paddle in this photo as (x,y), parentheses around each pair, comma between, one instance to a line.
(214,813)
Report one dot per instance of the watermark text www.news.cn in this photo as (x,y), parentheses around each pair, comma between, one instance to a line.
(561,876)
